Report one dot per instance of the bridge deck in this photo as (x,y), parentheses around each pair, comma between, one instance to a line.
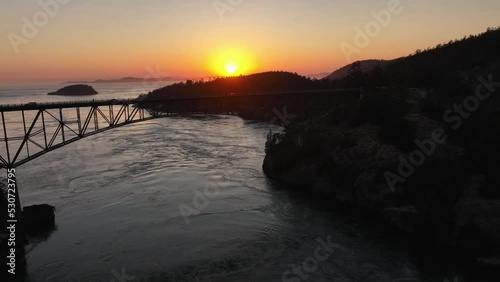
(68,104)
(90,103)
(33,129)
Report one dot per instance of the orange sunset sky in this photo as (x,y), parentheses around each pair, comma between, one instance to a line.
(57,40)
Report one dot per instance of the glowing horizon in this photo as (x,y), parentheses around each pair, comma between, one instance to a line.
(75,40)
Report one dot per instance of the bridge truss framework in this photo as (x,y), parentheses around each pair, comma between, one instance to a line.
(36,129)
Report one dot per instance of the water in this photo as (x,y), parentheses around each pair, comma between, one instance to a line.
(185,199)
(22,94)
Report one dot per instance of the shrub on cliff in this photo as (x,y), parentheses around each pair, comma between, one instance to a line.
(400,132)
(388,108)
(273,139)
(383,107)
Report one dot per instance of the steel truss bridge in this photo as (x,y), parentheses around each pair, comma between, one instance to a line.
(34,129)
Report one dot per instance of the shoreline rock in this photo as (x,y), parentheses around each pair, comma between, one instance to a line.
(38,218)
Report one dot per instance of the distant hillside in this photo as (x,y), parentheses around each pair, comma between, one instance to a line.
(318,75)
(260,82)
(446,67)
(366,66)
(449,63)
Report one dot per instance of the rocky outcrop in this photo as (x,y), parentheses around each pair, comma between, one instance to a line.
(75,90)
(478,219)
(434,198)
(38,218)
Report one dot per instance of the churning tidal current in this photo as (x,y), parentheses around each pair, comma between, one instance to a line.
(185,199)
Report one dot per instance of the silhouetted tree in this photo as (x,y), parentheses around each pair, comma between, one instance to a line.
(355,75)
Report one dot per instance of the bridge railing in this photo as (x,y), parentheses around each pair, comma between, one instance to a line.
(38,105)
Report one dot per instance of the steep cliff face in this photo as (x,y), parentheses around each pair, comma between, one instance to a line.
(403,169)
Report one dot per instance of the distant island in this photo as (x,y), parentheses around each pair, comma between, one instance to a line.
(128,79)
(75,90)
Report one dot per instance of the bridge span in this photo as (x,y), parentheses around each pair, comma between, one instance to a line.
(34,129)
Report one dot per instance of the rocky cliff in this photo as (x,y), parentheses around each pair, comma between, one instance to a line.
(384,155)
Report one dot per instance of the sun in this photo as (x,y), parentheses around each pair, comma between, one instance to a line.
(231,68)
(230,61)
